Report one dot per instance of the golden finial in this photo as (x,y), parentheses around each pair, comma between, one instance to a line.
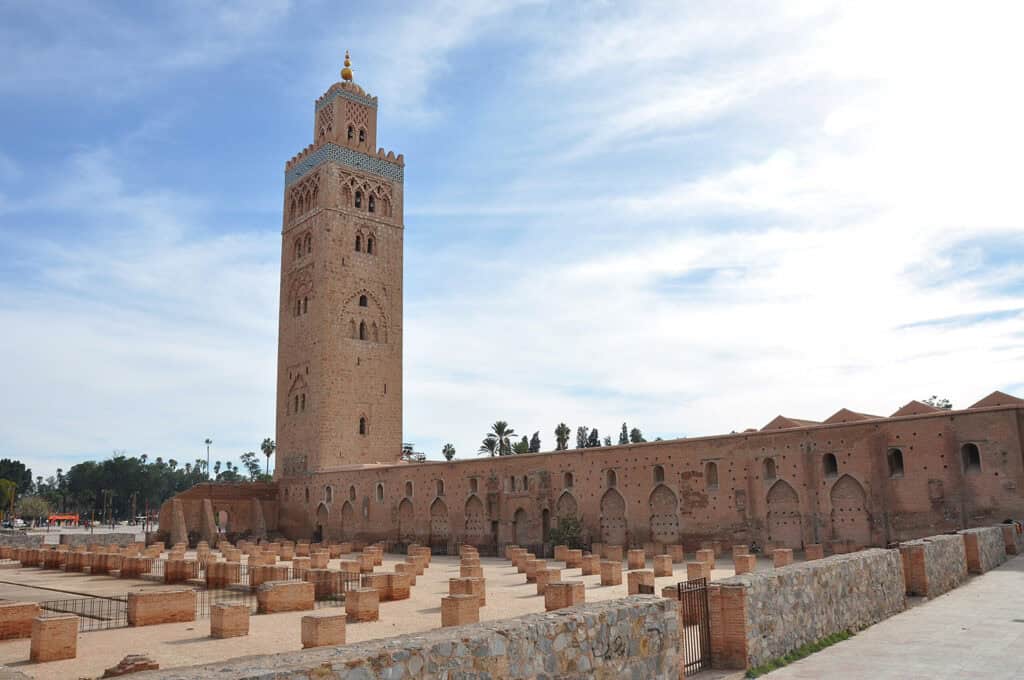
(346,73)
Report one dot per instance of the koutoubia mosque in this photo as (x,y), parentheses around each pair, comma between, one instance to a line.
(852,480)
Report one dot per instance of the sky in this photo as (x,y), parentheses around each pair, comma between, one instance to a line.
(690,217)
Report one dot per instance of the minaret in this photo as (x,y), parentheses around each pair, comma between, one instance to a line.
(339,363)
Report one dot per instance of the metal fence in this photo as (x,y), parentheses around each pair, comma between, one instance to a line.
(94,613)
(696,625)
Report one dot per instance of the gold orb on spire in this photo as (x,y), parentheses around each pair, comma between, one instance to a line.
(346,73)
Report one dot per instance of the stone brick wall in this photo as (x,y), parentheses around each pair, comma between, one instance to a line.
(985,548)
(19,539)
(635,637)
(120,539)
(763,615)
(165,606)
(934,565)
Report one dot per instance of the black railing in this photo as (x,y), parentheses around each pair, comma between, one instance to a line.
(695,634)
(94,613)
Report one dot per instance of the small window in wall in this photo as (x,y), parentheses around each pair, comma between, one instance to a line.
(359,243)
(371,206)
(830,465)
(659,474)
(303,402)
(567,480)
(895,458)
(362,330)
(307,494)
(286,493)
(408,489)
(440,487)
(363,302)
(328,494)
(362,135)
(359,199)
(610,479)
(305,305)
(711,475)
(473,485)
(309,244)
(362,425)
(512,484)
(380,492)
(769,468)
(352,493)
(369,240)
(351,132)
(972,458)
(296,403)
(298,249)
(526,483)
(298,308)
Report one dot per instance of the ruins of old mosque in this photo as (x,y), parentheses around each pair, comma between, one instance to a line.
(705,556)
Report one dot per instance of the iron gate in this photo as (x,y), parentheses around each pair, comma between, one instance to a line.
(695,628)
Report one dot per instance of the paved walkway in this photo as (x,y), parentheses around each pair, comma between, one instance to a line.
(975,631)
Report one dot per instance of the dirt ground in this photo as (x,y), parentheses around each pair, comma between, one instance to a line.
(183,644)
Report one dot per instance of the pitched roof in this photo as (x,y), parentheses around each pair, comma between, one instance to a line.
(784,423)
(998,398)
(845,415)
(915,408)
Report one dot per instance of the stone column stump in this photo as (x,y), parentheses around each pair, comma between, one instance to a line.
(229,619)
(782,557)
(564,594)
(323,629)
(546,576)
(638,578)
(590,565)
(637,559)
(745,564)
(698,570)
(662,565)
(814,551)
(362,604)
(54,638)
(707,555)
(459,610)
(611,572)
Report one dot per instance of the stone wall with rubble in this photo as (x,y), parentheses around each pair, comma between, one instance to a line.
(120,538)
(635,637)
(945,565)
(801,603)
(20,539)
(991,547)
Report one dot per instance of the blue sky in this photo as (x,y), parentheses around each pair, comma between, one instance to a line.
(688,216)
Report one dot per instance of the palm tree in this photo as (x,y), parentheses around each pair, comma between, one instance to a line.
(268,447)
(489,446)
(504,434)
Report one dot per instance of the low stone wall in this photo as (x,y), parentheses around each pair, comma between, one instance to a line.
(985,548)
(934,565)
(121,539)
(635,637)
(763,615)
(19,539)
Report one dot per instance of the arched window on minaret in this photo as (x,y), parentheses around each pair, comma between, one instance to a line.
(298,249)
(351,132)
(376,335)
(359,243)
(362,330)
(369,245)
(298,307)
(362,135)
(362,425)
(371,204)
(363,301)
(309,244)
(352,327)
(359,199)
(305,305)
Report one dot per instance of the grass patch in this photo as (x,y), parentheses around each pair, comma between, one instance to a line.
(799,653)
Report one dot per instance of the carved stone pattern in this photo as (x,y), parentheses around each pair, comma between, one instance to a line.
(332,153)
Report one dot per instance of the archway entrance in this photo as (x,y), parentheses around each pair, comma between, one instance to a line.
(850,519)
(785,525)
(613,518)
(664,508)
(348,521)
(439,527)
(322,517)
(405,521)
(519,528)
(566,506)
(475,520)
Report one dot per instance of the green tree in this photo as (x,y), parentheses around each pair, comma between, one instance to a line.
(568,532)
(939,402)
(268,447)
(594,440)
(635,436)
(504,434)
(521,446)
(16,471)
(623,435)
(252,465)
(562,434)
(535,443)
(448,451)
(8,489)
(32,508)
(489,446)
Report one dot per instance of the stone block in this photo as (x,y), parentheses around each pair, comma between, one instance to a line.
(509,549)
(782,557)
(285,596)
(300,565)
(459,610)
(934,565)
(564,594)
(379,582)
(573,558)
(740,550)
(161,606)
(531,569)
(265,573)
(469,586)
(16,619)
(54,638)
(318,559)
(637,559)
(698,570)
(677,553)
(985,548)
(134,567)
(345,547)
(323,629)
(366,564)
(407,569)
(591,565)
(653,548)
(707,555)
(522,559)
(597,549)
(180,570)
(229,619)
(223,574)
(362,604)
(131,663)
(640,581)
(662,565)
(1013,538)
(613,553)
(470,561)
(611,572)
(814,551)
(745,564)
(546,576)
(398,585)
(302,549)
